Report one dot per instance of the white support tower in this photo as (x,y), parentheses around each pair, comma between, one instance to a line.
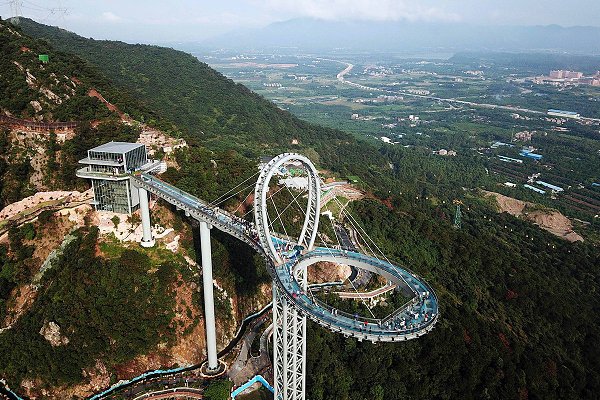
(147,239)
(209,302)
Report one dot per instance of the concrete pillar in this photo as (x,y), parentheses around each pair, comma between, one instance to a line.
(209,302)
(147,239)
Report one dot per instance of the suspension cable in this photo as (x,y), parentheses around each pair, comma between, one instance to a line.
(377,247)
(279,216)
(288,206)
(270,196)
(233,195)
(214,202)
(242,202)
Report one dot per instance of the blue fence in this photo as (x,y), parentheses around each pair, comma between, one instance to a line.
(157,372)
(257,378)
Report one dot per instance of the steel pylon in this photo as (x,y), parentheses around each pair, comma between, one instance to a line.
(289,349)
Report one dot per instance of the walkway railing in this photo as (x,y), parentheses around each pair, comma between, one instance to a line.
(36,125)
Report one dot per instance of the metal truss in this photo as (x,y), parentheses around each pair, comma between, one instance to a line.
(289,349)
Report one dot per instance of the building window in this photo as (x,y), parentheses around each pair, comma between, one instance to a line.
(111,195)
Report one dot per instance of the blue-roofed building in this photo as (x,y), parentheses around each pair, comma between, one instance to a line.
(563,114)
(529,154)
(537,190)
(554,188)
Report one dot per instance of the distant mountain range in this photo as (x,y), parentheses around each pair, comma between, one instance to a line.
(317,35)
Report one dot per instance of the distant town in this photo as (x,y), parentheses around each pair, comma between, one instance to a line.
(566,78)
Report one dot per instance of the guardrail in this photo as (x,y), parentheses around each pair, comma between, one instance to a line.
(187,391)
(6,120)
(199,209)
(86,172)
(257,378)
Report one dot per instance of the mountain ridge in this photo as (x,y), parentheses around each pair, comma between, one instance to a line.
(314,34)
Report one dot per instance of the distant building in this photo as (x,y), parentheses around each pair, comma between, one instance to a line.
(561,74)
(510,184)
(495,145)
(524,136)
(563,114)
(537,190)
(510,160)
(529,154)
(558,74)
(593,81)
(555,189)
(298,183)
(420,92)
(444,152)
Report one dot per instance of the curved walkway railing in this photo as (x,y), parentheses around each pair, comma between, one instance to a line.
(412,320)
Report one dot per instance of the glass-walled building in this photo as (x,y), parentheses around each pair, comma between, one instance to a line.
(108,167)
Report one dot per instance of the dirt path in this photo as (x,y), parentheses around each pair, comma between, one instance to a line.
(31,204)
(549,220)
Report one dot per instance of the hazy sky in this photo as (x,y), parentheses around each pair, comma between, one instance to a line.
(189,20)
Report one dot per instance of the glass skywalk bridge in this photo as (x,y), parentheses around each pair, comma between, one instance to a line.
(414,319)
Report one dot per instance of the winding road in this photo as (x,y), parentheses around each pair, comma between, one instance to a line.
(349,67)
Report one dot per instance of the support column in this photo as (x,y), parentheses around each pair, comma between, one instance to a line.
(147,239)
(209,302)
(289,349)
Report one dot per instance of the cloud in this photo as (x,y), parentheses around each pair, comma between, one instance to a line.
(373,10)
(108,16)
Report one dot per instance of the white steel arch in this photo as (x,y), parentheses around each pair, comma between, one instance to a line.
(311,220)
(289,324)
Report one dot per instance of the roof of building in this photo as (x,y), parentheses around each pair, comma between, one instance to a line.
(535,189)
(562,112)
(117,147)
(549,185)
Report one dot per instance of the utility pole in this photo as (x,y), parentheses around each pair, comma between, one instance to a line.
(15,8)
(457,215)
(62,11)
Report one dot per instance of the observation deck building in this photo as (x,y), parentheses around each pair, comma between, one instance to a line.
(108,167)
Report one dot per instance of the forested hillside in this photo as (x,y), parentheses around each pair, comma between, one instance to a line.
(199,99)
(54,92)
(519,315)
(519,307)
